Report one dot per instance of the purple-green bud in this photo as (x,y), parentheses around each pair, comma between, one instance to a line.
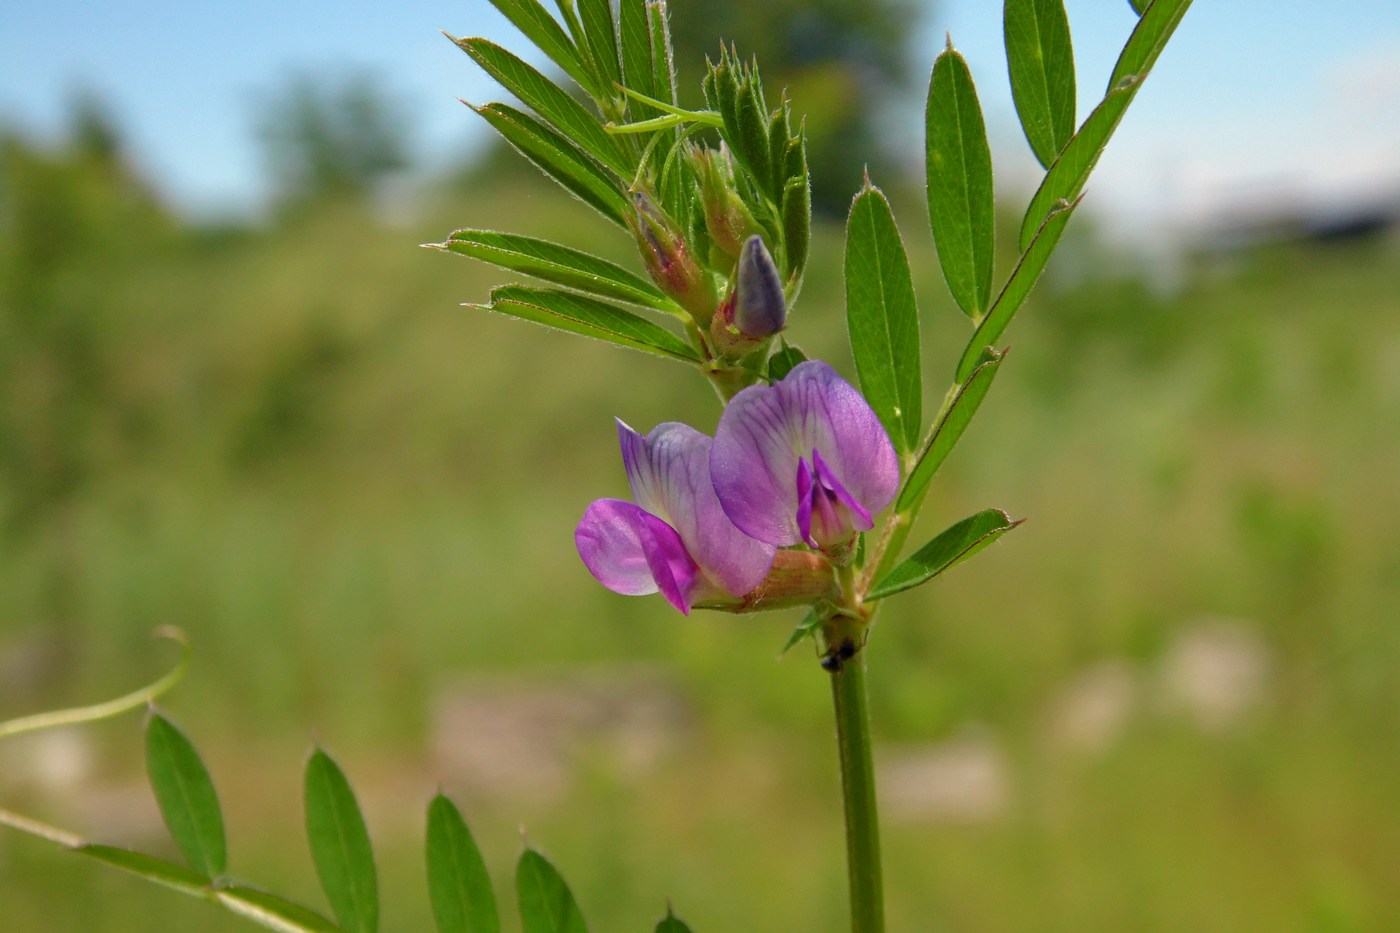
(727,218)
(668,261)
(756,308)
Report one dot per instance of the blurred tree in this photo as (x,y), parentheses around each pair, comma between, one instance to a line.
(838,59)
(331,138)
(68,214)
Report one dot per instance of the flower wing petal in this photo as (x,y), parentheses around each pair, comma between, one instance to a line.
(632,552)
(611,539)
(669,472)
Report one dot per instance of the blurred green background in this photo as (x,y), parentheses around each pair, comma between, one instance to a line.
(1168,701)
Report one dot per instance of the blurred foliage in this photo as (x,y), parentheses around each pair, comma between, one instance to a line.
(356,496)
(330,138)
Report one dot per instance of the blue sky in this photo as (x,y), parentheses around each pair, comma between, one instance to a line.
(1253,97)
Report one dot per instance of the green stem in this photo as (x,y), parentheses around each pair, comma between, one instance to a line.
(858,794)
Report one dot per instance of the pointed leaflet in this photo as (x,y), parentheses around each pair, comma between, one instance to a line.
(188,802)
(601,35)
(578,314)
(662,60)
(782,362)
(950,548)
(671,924)
(807,628)
(1040,60)
(546,98)
(458,885)
(637,73)
(948,430)
(1159,20)
(558,264)
(1017,287)
(340,846)
(532,19)
(558,158)
(546,904)
(1067,175)
(959,165)
(882,318)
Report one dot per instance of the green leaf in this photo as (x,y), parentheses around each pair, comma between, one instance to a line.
(662,58)
(637,69)
(949,429)
(185,793)
(601,35)
(947,550)
(959,163)
(548,100)
(1066,178)
(546,904)
(578,314)
(1155,27)
(149,867)
(566,10)
(807,628)
(273,912)
(671,924)
(882,317)
(782,362)
(532,19)
(558,264)
(1040,60)
(1139,6)
(340,846)
(560,159)
(458,885)
(1017,287)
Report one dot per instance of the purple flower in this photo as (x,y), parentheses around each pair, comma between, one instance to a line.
(803,460)
(676,537)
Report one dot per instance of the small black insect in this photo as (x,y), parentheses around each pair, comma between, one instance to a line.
(837,656)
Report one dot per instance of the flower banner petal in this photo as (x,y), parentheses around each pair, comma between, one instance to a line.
(766,433)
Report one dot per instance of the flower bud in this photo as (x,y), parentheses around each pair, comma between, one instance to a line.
(668,261)
(727,218)
(760,309)
(756,308)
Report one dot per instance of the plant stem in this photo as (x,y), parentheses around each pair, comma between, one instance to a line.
(858,794)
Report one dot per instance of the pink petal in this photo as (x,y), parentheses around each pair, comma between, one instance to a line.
(669,472)
(632,552)
(768,430)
